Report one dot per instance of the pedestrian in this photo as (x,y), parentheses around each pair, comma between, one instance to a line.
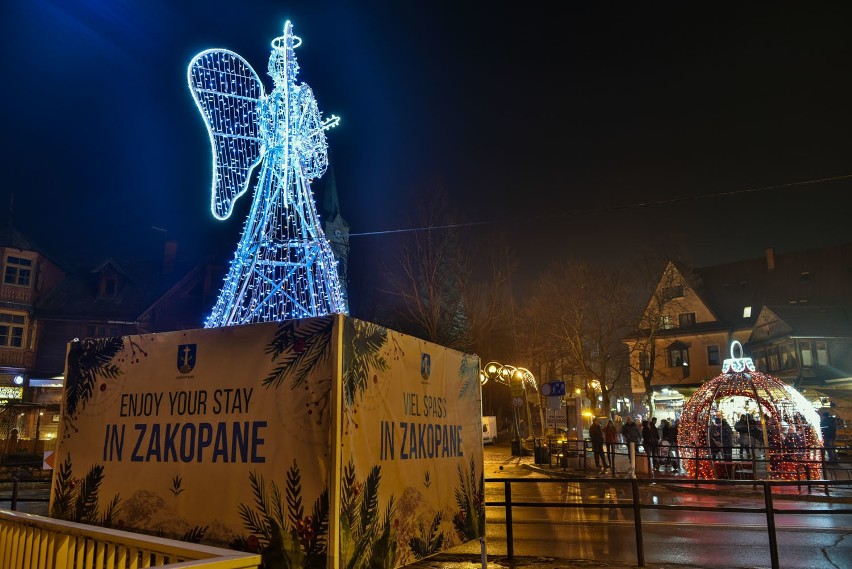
(828,427)
(631,436)
(675,448)
(727,441)
(12,443)
(630,432)
(597,439)
(665,431)
(611,439)
(654,443)
(647,442)
(742,427)
(666,444)
(715,439)
(755,435)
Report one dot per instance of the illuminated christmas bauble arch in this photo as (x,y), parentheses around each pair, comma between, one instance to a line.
(777,406)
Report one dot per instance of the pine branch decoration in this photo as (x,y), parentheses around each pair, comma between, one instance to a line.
(107,519)
(429,541)
(86,504)
(63,502)
(362,353)
(195,535)
(300,347)
(318,544)
(370,502)
(295,511)
(87,360)
(348,498)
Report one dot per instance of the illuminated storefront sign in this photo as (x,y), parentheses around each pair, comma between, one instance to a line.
(7,392)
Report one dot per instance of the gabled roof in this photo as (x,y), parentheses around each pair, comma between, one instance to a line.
(175,289)
(681,276)
(815,276)
(14,239)
(803,321)
(11,238)
(77,298)
(110,262)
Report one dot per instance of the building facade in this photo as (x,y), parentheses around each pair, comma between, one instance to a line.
(790,311)
(44,306)
(26,406)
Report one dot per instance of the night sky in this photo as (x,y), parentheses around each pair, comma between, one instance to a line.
(540,120)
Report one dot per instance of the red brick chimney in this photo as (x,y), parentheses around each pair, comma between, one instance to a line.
(770,258)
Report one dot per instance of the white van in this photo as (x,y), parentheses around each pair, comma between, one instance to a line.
(489,430)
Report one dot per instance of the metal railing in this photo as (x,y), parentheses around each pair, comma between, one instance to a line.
(10,491)
(808,463)
(35,542)
(637,506)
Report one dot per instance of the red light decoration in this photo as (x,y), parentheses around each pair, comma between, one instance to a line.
(789,424)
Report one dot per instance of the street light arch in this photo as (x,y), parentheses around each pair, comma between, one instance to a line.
(512,377)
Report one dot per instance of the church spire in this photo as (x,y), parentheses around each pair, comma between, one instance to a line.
(330,205)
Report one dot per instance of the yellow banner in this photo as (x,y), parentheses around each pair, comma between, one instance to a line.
(225,436)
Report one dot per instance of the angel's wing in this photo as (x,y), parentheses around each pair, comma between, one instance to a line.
(228,92)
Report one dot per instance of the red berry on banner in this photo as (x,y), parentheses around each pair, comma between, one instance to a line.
(103,387)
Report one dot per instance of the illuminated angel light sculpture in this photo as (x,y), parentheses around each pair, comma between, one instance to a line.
(283,267)
(782,413)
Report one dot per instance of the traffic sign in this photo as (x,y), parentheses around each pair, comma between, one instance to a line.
(553,388)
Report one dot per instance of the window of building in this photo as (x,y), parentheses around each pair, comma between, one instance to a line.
(12,330)
(747,312)
(713,355)
(109,286)
(671,292)
(759,359)
(678,356)
(773,358)
(807,355)
(18,271)
(686,319)
(788,357)
(821,349)
(666,322)
(805,276)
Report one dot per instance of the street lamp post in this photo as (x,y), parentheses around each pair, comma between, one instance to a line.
(516,379)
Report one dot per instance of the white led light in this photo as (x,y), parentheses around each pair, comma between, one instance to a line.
(283,267)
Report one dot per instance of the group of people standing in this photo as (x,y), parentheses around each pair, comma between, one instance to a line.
(659,442)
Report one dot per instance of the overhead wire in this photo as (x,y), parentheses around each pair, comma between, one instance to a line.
(607,208)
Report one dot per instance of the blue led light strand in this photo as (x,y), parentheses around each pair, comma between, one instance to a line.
(283,267)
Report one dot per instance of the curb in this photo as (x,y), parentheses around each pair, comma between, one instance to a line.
(472,561)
